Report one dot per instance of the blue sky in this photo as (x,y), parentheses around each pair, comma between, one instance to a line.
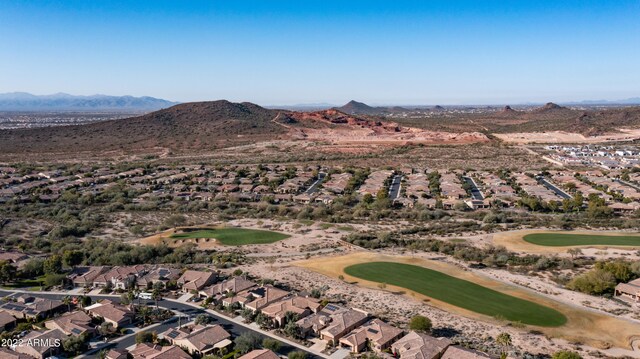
(292,52)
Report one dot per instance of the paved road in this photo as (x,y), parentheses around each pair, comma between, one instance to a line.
(188,310)
(475,192)
(562,194)
(627,184)
(394,188)
(314,186)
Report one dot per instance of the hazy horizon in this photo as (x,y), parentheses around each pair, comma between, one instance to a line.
(289,53)
(636,101)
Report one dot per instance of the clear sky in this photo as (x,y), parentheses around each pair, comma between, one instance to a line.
(292,52)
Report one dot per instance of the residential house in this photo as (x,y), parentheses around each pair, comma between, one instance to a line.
(260,354)
(263,296)
(420,346)
(116,354)
(341,323)
(29,307)
(10,354)
(193,280)
(120,277)
(198,340)
(151,351)
(229,286)
(241,299)
(629,290)
(115,314)
(7,321)
(44,344)
(74,323)
(83,276)
(375,334)
(624,208)
(13,257)
(301,306)
(163,275)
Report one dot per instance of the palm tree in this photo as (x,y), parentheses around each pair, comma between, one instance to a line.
(67,301)
(144,311)
(156,296)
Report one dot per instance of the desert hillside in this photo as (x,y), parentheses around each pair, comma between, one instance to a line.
(198,125)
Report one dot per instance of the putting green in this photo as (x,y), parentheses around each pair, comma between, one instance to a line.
(458,292)
(574,239)
(234,236)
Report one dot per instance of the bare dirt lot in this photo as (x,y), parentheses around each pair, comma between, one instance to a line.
(567,137)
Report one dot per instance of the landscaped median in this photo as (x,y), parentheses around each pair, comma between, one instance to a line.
(458,292)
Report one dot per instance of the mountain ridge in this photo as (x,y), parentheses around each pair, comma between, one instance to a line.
(24,101)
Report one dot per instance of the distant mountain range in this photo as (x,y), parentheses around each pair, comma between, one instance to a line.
(22,101)
(359,108)
(628,101)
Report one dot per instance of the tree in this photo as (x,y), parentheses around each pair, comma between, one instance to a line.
(66,300)
(146,337)
(75,345)
(578,201)
(504,339)
(105,329)
(203,319)
(247,342)
(297,355)
(53,265)
(292,329)
(52,280)
(156,296)
(84,301)
(271,344)
(144,312)
(420,323)
(7,272)
(248,314)
(72,258)
(574,252)
(566,354)
(262,320)
(33,268)
(125,298)
(596,281)
(175,220)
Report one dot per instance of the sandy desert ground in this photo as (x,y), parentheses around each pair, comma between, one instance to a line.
(567,137)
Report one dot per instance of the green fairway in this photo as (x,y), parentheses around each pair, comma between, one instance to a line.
(568,239)
(458,292)
(234,236)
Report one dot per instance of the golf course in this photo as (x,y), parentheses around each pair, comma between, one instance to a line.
(233,236)
(458,292)
(470,294)
(570,239)
(544,241)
